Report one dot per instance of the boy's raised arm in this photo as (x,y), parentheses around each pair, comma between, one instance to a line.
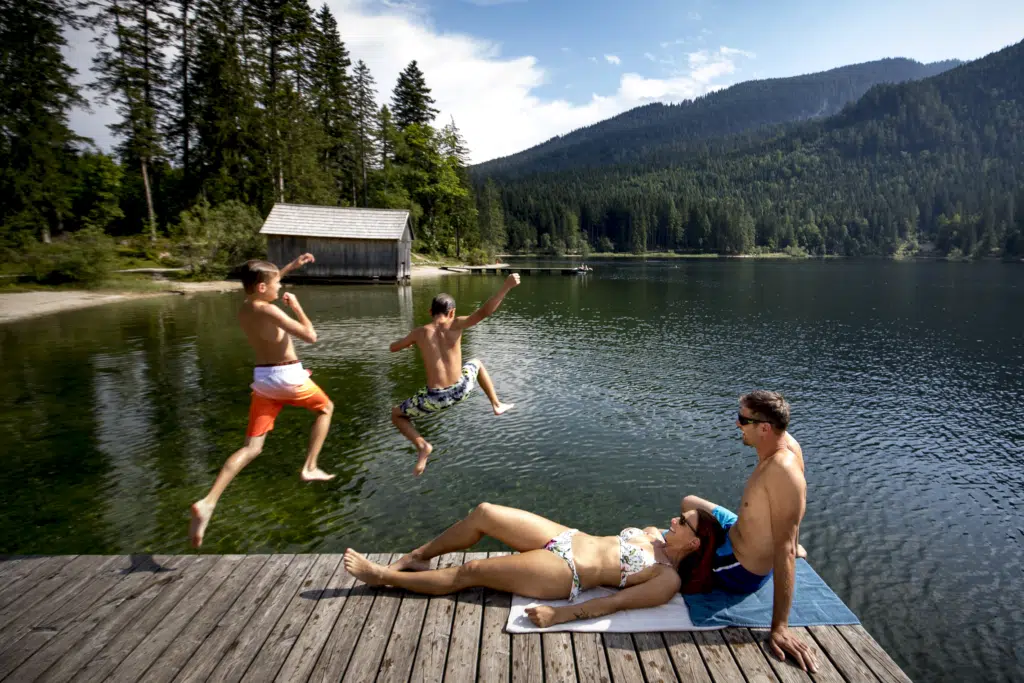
(405,342)
(490,306)
(297,263)
(301,328)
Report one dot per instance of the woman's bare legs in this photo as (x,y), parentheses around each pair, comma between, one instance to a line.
(518,529)
(535,574)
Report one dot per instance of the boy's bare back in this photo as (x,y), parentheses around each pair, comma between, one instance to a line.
(441,347)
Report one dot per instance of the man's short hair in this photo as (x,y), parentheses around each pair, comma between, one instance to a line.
(255,272)
(442,304)
(769,406)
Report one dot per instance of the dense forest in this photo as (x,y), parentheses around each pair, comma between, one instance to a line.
(227,106)
(658,134)
(930,166)
(224,107)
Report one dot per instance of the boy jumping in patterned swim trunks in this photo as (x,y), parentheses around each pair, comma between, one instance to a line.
(278,380)
(448,380)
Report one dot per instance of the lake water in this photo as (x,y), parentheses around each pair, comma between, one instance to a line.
(906,382)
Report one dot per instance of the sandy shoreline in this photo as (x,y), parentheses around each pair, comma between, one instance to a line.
(23,305)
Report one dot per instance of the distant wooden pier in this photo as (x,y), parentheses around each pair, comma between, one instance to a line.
(304,618)
(501,269)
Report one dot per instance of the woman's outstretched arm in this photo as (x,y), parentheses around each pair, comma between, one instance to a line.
(657,590)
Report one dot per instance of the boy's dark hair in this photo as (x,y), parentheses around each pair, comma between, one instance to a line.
(767,405)
(255,272)
(697,569)
(441,304)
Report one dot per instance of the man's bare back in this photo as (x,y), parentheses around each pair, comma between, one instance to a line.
(751,536)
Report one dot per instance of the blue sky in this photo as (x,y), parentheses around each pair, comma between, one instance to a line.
(513,73)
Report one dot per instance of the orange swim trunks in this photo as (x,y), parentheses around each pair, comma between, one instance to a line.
(276,386)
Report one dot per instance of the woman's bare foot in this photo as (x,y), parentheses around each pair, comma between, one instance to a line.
(358,566)
(315,475)
(503,408)
(410,563)
(800,551)
(424,453)
(201,513)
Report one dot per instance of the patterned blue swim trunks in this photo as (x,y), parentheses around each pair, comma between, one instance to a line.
(429,401)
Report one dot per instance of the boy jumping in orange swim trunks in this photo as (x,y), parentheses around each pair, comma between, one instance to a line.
(278,380)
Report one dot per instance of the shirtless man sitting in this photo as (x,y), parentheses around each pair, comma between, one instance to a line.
(448,380)
(763,539)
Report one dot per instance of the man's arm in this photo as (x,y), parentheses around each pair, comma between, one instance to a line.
(651,593)
(406,341)
(787,497)
(301,328)
(297,263)
(489,307)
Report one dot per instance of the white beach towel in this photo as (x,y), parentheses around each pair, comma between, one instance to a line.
(672,616)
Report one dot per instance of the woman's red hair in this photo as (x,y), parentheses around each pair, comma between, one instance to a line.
(697,569)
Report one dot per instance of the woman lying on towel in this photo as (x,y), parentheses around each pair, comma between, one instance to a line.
(554,561)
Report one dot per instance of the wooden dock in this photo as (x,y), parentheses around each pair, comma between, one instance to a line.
(502,269)
(303,618)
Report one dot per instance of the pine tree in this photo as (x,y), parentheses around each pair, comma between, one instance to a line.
(281,32)
(229,157)
(331,96)
(411,101)
(181,123)
(364,114)
(132,40)
(36,94)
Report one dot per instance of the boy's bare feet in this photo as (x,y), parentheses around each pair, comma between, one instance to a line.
(503,408)
(800,552)
(410,563)
(201,513)
(316,475)
(421,463)
(361,568)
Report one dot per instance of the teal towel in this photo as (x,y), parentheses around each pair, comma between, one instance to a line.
(814,604)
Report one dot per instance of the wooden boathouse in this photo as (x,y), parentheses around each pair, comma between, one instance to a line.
(348,243)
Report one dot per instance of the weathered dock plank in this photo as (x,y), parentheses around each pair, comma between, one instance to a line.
(437,627)
(326,633)
(464,646)
(120,616)
(304,618)
(278,645)
(622,658)
(495,643)
(654,658)
(115,651)
(145,653)
(845,658)
(221,639)
(246,646)
(591,661)
(718,657)
(188,639)
(373,641)
(400,653)
(54,623)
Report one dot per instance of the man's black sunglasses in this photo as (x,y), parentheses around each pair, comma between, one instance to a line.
(744,420)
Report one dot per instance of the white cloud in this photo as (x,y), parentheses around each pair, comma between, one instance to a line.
(489,3)
(669,43)
(612,59)
(693,16)
(651,57)
(493,98)
(566,49)
(593,59)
